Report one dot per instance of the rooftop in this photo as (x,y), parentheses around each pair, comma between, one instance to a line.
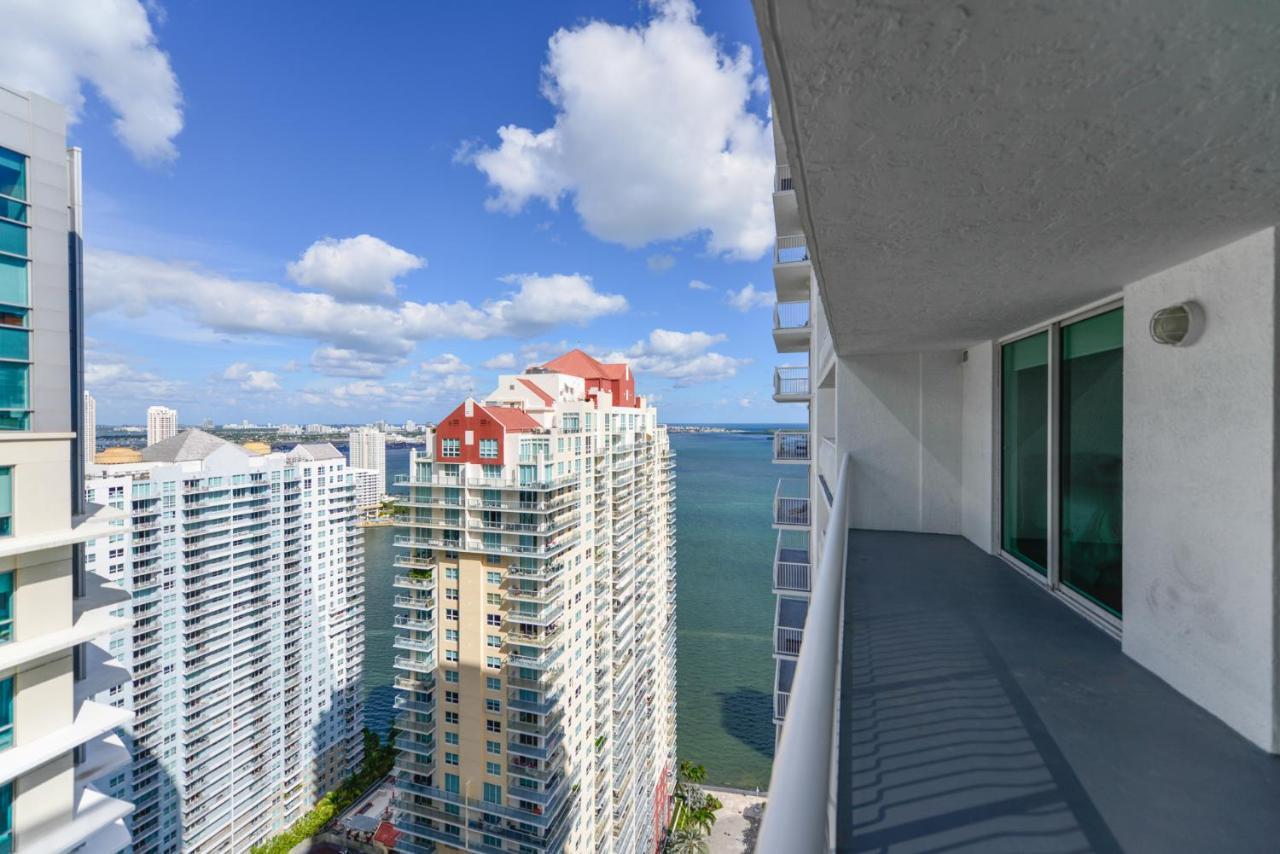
(190,444)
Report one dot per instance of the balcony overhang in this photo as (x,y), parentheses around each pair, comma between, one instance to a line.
(964,171)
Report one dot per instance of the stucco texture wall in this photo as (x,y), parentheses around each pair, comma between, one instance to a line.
(1199,486)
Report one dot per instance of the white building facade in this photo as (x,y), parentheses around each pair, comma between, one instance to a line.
(89,434)
(367,449)
(57,747)
(369,487)
(536,623)
(248,585)
(162,423)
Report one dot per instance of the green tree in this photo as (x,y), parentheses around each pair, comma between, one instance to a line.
(686,841)
(691,773)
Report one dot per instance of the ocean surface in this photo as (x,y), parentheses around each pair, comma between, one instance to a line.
(724,487)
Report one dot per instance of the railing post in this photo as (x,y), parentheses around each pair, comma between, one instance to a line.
(798,815)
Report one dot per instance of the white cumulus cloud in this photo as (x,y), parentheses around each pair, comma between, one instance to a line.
(360,268)
(653,137)
(249,379)
(502,361)
(685,357)
(748,298)
(699,285)
(55,47)
(444,364)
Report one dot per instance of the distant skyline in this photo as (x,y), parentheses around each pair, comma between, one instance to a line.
(354,213)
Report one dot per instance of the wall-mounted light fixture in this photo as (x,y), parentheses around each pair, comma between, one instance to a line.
(1178,325)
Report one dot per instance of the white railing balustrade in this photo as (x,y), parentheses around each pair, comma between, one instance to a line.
(790,380)
(787,640)
(790,446)
(801,812)
(791,249)
(791,315)
(782,179)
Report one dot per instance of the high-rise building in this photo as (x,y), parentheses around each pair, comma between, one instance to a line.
(57,743)
(367,449)
(162,423)
(89,437)
(246,569)
(536,621)
(1027,595)
(369,488)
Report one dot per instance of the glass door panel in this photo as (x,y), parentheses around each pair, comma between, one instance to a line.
(1091,454)
(1024,466)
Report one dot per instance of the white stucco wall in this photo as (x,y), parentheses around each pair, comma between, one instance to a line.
(1199,487)
(899,415)
(977,469)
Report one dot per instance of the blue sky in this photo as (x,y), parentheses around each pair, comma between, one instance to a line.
(299,213)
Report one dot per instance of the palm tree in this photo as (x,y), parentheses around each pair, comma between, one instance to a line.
(685,841)
(691,772)
(700,819)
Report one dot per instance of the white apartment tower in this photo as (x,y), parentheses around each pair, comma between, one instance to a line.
(248,638)
(369,486)
(162,423)
(89,434)
(536,620)
(367,449)
(56,742)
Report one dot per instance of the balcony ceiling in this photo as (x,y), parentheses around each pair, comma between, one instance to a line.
(965,170)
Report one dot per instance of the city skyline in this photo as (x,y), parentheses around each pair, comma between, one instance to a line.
(381,306)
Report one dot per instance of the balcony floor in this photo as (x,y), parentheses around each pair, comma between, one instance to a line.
(978,713)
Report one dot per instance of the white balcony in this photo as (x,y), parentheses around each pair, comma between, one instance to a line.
(91,721)
(791,504)
(97,521)
(792,268)
(791,446)
(786,212)
(791,384)
(792,327)
(96,825)
(791,570)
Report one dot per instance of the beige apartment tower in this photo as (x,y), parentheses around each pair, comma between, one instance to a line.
(536,620)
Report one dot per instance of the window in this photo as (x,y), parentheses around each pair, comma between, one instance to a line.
(451,573)
(451,448)
(13,395)
(451,718)
(494,747)
(493,769)
(451,634)
(492,619)
(13,174)
(450,655)
(451,593)
(6,817)
(1062,455)
(450,737)
(450,758)
(493,577)
(493,726)
(451,697)
(494,641)
(494,599)
(451,783)
(493,662)
(6,713)
(6,505)
(492,683)
(492,793)
(451,613)
(494,706)
(6,606)
(488,449)
(451,676)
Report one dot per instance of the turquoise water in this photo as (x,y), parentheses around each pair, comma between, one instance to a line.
(725,606)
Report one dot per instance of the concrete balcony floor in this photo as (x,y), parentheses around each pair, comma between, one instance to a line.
(978,713)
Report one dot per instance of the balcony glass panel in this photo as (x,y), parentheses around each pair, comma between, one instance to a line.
(13,238)
(1024,450)
(6,712)
(14,343)
(13,174)
(1091,457)
(13,281)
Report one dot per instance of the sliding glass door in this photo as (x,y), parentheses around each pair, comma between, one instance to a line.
(1062,394)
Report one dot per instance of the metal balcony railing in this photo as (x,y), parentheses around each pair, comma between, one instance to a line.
(790,381)
(791,503)
(791,446)
(791,249)
(801,811)
(790,316)
(782,179)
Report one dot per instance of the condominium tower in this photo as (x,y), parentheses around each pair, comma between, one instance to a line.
(56,742)
(246,570)
(367,449)
(89,433)
(162,423)
(1028,272)
(536,620)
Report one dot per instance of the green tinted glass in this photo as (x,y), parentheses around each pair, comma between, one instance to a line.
(1092,383)
(13,281)
(13,238)
(13,174)
(1024,440)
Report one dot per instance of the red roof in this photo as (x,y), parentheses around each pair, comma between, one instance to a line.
(513,420)
(536,389)
(386,834)
(577,363)
(616,371)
